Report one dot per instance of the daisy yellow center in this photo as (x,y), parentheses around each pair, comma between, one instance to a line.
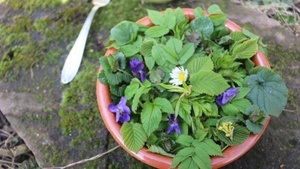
(181,76)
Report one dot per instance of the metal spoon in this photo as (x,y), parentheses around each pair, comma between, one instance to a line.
(74,58)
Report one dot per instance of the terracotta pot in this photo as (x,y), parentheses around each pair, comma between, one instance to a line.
(159,161)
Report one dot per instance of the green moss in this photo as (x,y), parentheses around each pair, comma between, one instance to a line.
(17,59)
(41,25)
(37,41)
(56,156)
(33,5)
(79,110)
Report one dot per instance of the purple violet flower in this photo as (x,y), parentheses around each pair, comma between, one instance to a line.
(137,67)
(227,96)
(121,110)
(174,126)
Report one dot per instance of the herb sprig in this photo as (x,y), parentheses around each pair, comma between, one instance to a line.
(188,89)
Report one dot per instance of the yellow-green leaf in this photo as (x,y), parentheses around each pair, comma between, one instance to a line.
(200,63)
(151,116)
(134,136)
(245,50)
(208,82)
(157,31)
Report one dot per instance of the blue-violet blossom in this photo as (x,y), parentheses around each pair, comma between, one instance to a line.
(137,67)
(174,126)
(121,110)
(227,96)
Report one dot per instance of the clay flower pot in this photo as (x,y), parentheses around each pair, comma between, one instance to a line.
(159,161)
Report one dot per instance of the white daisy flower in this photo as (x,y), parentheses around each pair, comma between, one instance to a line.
(178,75)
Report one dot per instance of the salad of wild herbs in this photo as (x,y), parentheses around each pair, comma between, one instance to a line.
(188,89)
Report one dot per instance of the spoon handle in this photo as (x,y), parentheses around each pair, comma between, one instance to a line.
(74,58)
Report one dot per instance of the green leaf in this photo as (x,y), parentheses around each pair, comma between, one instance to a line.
(134,136)
(186,53)
(179,15)
(170,54)
(103,78)
(209,108)
(211,122)
(159,150)
(218,19)
(151,116)
(150,62)
(249,34)
(175,44)
(203,25)
(257,69)
(236,106)
(241,104)
(198,12)
(268,91)
(138,93)
(170,18)
(120,61)
(187,164)
(214,9)
(158,54)
(245,50)
(202,159)
(146,48)
(209,146)
(255,114)
(131,88)
(225,40)
(131,49)
(113,78)
(184,128)
(182,155)
(161,53)
(156,17)
(172,88)
(242,92)
(164,104)
(185,111)
(155,76)
(197,109)
(200,63)
(230,109)
(208,82)
(182,23)
(185,140)
(253,127)
(157,31)
(238,36)
(124,32)
(105,64)
(200,134)
(117,90)
(240,134)
(252,109)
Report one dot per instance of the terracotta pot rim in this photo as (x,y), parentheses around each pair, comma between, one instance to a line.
(159,161)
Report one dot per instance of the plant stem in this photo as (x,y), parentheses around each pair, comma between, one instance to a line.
(86,160)
(224,148)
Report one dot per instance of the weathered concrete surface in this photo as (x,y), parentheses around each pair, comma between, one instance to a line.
(61,123)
